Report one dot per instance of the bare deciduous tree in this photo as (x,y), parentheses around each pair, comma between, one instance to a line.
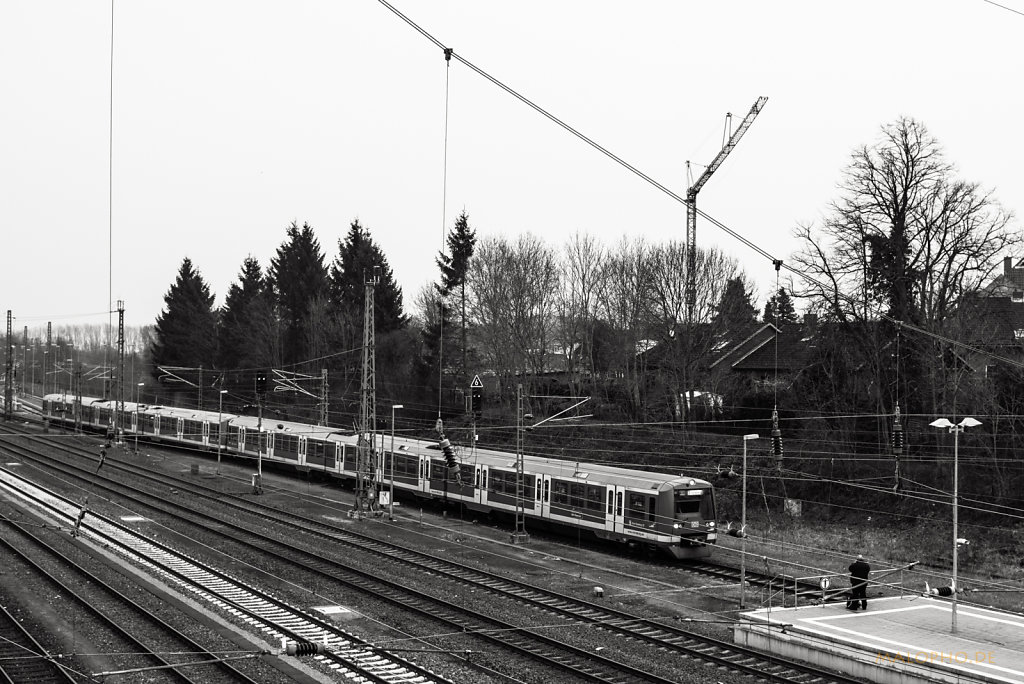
(582,269)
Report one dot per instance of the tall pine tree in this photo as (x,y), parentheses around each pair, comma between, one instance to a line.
(299,278)
(781,305)
(248,326)
(736,314)
(454,267)
(358,255)
(185,334)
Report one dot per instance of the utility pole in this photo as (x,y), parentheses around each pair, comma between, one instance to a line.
(199,388)
(119,390)
(9,373)
(520,535)
(366,462)
(323,397)
(24,362)
(78,397)
(48,357)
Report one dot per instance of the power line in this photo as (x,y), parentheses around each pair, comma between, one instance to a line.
(721,226)
(1008,9)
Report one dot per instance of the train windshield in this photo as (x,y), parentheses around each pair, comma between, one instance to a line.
(694,502)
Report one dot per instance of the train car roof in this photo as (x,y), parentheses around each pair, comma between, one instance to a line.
(64,396)
(289,427)
(565,469)
(191,414)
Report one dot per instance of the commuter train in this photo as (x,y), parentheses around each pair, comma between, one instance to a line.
(655,511)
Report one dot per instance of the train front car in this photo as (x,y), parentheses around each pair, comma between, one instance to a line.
(686,512)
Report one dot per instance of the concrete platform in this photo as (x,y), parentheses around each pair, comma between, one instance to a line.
(897,640)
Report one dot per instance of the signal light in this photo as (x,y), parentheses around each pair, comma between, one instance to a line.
(261,382)
(303,648)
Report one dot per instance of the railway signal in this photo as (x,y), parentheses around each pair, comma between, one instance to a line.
(476,390)
(261,382)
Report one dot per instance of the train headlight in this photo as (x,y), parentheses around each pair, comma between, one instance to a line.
(711,524)
(676,526)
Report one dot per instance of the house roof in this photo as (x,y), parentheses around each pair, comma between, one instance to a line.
(785,348)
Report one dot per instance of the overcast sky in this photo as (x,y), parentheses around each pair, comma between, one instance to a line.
(233,119)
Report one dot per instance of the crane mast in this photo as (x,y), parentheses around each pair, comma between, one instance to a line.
(691,204)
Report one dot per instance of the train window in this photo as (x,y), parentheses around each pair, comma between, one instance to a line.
(483,485)
(286,443)
(695,501)
(560,495)
(576,494)
(651,510)
(707,505)
(618,503)
(476,479)
(538,487)
(611,499)
(595,497)
(637,508)
(687,505)
(547,490)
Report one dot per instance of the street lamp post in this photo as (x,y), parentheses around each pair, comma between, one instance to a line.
(391,495)
(743,528)
(138,398)
(956,429)
(220,425)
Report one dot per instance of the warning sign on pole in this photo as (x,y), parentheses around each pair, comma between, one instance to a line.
(476,389)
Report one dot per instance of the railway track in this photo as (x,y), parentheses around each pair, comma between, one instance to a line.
(168,640)
(555,654)
(356,660)
(653,633)
(23,659)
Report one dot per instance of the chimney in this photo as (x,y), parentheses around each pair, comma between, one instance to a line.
(1007,266)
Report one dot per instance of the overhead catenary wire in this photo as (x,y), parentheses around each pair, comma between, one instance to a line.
(718,224)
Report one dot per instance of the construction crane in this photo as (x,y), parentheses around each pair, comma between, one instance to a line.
(691,203)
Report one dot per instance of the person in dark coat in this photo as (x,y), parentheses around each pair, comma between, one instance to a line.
(859,571)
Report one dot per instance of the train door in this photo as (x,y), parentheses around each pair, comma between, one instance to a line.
(481,484)
(618,523)
(206,433)
(302,449)
(180,428)
(424,485)
(609,508)
(544,496)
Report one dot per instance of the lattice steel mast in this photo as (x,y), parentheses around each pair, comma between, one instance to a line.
(366,461)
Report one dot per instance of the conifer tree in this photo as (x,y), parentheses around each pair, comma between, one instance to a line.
(247,330)
(780,304)
(186,330)
(299,278)
(454,267)
(736,313)
(358,256)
